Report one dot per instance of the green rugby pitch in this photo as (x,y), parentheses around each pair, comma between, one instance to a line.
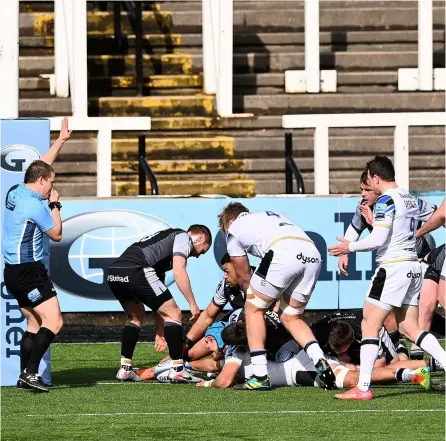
(86,403)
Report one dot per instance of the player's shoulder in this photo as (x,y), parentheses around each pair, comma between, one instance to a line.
(387,199)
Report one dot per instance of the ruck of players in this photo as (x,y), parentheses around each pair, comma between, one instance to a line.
(254,334)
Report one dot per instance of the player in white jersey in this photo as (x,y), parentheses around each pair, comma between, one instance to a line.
(397,281)
(289,270)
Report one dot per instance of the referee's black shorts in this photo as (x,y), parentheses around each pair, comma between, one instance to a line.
(141,285)
(29,283)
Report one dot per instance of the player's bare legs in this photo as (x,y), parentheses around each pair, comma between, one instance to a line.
(428,303)
(255,306)
(373,320)
(129,338)
(442,293)
(407,318)
(291,316)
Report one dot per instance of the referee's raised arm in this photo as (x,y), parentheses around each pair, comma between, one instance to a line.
(64,135)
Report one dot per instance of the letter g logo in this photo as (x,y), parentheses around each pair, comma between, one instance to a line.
(18,157)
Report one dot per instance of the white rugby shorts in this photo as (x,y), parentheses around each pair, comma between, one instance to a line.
(291,267)
(396,284)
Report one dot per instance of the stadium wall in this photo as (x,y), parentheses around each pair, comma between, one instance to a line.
(96,231)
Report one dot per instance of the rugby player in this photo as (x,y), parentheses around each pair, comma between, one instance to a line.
(136,278)
(397,280)
(289,270)
(32,210)
(296,370)
(436,221)
(363,219)
(228,291)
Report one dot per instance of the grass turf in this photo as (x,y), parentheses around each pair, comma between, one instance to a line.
(80,408)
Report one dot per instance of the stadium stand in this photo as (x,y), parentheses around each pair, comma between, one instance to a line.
(190,149)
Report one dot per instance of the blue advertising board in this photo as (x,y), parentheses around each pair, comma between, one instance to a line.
(21,141)
(96,231)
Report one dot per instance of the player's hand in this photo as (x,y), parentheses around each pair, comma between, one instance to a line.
(194,312)
(54,196)
(343,264)
(340,249)
(366,211)
(200,384)
(160,343)
(65,134)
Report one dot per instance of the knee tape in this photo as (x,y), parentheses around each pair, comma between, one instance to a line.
(290,310)
(340,372)
(256,301)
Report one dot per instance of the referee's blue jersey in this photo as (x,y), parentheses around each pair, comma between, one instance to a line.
(27,217)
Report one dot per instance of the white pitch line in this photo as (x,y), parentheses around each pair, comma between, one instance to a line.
(247,412)
(132,382)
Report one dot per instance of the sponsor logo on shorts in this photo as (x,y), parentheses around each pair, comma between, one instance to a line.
(34,296)
(111,278)
(306,259)
(411,275)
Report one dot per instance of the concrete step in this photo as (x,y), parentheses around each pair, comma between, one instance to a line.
(250,20)
(259,165)
(159,44)
(295,4)
(44,107)
(336,103)
(340,183)
(175,148)
(220,147)
(171,42)
(251,144)
(34,83)
(247,185)
(185,64)
(156,106)
(260,83)
(194,5)
(167,84)
(167,64)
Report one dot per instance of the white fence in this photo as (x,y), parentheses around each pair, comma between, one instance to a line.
(104,127)
(321,124)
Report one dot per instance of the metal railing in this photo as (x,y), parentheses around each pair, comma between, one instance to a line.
(134,11)
(400,121)
(144,170)
(291,168)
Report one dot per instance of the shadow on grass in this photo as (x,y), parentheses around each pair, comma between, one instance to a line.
(83,377)
(396,393)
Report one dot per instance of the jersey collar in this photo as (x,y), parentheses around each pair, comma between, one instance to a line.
(31,193)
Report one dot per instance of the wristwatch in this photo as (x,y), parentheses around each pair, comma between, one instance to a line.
(53,205)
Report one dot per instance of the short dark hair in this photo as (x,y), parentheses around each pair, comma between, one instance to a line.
(341,334)
(225,259)
(382,167)
(38,169)
(235,334)
(231,212)
(364,177)
(201,229)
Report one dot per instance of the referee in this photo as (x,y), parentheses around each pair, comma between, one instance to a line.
(33,209)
